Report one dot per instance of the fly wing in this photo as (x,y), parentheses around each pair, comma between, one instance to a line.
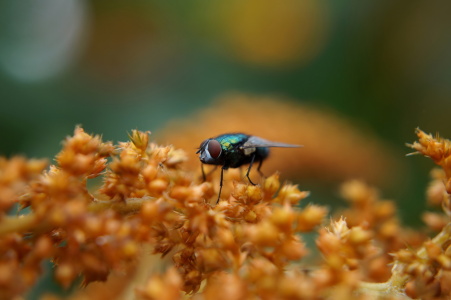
(255,142)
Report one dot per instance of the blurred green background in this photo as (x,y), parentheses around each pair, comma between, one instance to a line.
(117,65)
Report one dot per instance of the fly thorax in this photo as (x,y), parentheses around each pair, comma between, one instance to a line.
(248,151)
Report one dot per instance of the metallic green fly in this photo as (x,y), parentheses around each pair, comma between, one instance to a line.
(232,150)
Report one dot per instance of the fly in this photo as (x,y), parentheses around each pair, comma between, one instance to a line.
(232,150)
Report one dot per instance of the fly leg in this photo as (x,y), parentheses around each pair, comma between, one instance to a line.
(204,176)
(249,169)
(220,185)
(258,168)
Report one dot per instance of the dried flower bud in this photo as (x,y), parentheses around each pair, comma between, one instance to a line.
(432,250)
(175,157)
(290,194)
(226,239)
(65,273)
(292,249)
(254,194)
(327,242)
(140,140)
(389,230)
(260,268)
(384,209)
(7,276)
(162,287)
(358,192)
(436,192)
(310,217)
(157,186)
(283,217)
(93,225)
(239,192)
(271,184)
(149,173)
(247,194)
(83,154)
(210,259)
(159,154)
(35,167)
(130,249)
(43,247)
(358,235)
(250,216)
(405,256)
(180,192)
(339,228)
(335,261)
(231,286)
(263,234)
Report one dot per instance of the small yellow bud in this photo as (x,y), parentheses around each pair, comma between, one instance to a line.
(124,230)
(93,226)
(335,261)
(254,194)
(210,259)
(226,239)
(405,256)
(158,186)
(283,218)
(79,236)
(57,217)
(65,274)
(130,249)
(239,191)
(444,261)
(140,139)
(271,184)
(384,209)
(435,221)
(43,246)
(358,235)
(149,211)
(293,249)
(180,192)
(358,192)
(389,229)
(310,217)
(149,173)
(250,216)
(263,234)
(433,250)
(291,194)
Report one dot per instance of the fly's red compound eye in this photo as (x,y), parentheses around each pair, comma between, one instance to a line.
(214,148)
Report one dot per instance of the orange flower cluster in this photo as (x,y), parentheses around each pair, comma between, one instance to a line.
(153,230)
(19,261)
(429,268)
(14,176)
(439,150)
(375,219)
(146,198)
(437,197)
